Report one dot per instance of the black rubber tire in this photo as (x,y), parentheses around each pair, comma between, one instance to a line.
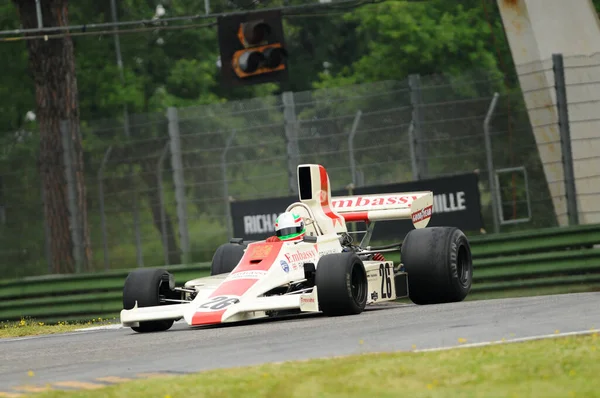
(144,286)
(439,265)
(341,282)
(226,257)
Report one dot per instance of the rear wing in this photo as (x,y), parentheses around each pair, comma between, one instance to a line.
(416,206)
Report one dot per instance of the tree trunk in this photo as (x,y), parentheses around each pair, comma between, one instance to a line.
(52,64)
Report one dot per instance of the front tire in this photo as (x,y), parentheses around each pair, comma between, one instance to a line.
(226,257)
(146,286)
(341,282)
(439,265)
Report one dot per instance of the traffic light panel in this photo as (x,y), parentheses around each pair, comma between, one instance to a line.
(252,48)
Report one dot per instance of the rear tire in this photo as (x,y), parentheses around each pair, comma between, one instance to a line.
(341,282)
(146,286)
(226,257)
(439,265)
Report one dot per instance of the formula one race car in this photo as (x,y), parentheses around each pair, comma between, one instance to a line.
(324,272)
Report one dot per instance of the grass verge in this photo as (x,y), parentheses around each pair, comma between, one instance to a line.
(31,327)
(559,367)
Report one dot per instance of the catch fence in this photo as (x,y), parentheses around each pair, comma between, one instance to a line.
(159,186)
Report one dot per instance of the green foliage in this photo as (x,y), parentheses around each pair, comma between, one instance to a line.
(379,43)
(401,38)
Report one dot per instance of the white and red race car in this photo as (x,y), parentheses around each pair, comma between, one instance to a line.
(325,272)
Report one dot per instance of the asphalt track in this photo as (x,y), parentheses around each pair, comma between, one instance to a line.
(88,356)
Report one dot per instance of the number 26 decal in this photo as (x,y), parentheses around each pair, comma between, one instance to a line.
(220,302)
(386,281)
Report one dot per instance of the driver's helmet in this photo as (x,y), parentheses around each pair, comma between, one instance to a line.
(289,226)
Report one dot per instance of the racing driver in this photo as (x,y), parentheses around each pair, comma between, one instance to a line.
(290,227)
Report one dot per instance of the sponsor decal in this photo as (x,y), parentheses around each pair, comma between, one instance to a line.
(285,266)
(374,295)
(422,214)
(307,300)
(260,251)
(359,201)
(252,274)
(301,255)
(371,275)
(328,251)
(324,198)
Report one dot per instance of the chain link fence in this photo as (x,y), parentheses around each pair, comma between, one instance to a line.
(160,185)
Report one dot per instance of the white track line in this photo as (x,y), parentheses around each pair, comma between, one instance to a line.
(105,327)
(506,341)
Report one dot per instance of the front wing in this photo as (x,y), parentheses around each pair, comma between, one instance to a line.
(244,310)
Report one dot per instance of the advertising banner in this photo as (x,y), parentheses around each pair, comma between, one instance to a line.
(456,204)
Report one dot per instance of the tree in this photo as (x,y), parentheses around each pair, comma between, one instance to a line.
(52,66)
(401,38)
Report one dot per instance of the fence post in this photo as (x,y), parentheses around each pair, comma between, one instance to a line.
(414,82)
(226,185)
(136,223)
(74,216)
(101,202)
(179,182)
(161,200)
(351,147)
(565,137)
(291,133)
(490,163)
(413,155)
(135,200)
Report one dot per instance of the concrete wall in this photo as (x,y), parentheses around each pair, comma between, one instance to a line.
(536,29)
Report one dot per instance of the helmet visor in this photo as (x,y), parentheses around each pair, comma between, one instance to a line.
(290,232)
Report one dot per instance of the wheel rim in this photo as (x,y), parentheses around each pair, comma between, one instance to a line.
(462,266)
(357,285)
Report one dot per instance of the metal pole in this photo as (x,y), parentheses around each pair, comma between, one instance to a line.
(136,219)
(207,6)
(71,195)
(38,12)
(416,100)
(161,198)
(351,146)
(565,138)
(490,163)
(179,181)
(101,201)
(136,222)
(126,126)
(413,155)
(225,184)
(113,9)
(291,133)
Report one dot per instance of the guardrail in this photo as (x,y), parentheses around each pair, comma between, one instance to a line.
(550,260)
(57,298)
(553,260)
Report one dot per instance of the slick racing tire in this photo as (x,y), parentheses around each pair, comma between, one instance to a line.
(227,257)
(146,286)
(439,265)
(341,282)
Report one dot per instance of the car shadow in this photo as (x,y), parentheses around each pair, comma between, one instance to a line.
(183,327)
